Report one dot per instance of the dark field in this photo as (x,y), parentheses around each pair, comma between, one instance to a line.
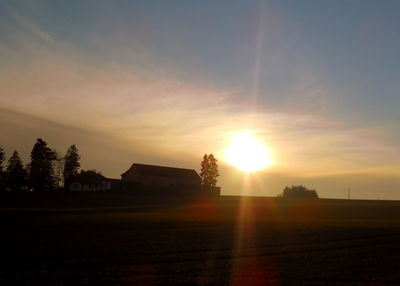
(103,239)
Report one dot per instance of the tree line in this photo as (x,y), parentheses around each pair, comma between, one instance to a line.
(298,192)
(47,170)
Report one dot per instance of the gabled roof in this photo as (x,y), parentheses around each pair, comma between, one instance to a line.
(162,171)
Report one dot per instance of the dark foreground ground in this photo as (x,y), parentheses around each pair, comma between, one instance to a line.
(99,239)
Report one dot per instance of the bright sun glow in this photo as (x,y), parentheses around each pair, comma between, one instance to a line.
(247,153)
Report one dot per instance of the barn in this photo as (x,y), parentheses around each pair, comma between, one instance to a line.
(161,176)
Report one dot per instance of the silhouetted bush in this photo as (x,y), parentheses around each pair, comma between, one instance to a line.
(299,192)
(90,177)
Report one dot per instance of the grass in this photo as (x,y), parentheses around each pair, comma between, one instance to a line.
(106,239)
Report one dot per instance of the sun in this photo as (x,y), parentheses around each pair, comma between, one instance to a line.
(247,153)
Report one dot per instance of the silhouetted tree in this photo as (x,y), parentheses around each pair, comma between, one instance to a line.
(58,167)
(71,165)
(16,174)
(299,192)
(41,173)
(2,173)
(209,171)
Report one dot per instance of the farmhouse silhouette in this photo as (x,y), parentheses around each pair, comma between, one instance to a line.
(143,178)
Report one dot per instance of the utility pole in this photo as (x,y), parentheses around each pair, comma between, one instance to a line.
(348,193)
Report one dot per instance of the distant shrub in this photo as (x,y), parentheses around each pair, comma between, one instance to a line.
(299,192)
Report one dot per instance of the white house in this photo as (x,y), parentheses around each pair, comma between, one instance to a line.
(91,181)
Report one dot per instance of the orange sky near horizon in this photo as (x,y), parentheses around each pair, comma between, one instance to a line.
(122,95)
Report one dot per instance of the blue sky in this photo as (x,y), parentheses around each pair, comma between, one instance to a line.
(325,73)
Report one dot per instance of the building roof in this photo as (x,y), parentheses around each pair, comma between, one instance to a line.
(112,180)
(88,177)
(162,171)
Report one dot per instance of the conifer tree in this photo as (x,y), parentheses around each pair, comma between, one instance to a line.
(71,165)
(41,173)
(204,168)
(16,174)
(209,171)
(2,173)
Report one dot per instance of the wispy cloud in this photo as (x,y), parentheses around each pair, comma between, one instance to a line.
(171,117)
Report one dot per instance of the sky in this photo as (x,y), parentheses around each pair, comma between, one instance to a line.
(163,82)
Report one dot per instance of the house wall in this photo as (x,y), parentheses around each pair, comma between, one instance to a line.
(75,187)
(78,187)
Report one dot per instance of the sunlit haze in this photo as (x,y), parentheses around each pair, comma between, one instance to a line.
(164,82)
(247,153)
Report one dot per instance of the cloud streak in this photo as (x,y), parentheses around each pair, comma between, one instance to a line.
(172,117)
